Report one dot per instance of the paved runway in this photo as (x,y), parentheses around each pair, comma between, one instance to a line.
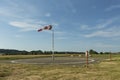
(57,60)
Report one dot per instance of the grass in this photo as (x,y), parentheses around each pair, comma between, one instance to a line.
(14,57)
(105,70)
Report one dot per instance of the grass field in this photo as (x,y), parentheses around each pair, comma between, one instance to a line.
(105,70)
(15,57)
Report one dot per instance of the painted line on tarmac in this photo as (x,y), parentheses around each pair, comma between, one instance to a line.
(91,60)
(13,61)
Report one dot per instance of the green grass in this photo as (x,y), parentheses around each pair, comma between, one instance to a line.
(105,70)
(14,57)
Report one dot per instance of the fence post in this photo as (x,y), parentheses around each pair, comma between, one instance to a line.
(110,56)
(87,59)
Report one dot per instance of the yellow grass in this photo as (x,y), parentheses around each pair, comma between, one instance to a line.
(106,70)
(11,57)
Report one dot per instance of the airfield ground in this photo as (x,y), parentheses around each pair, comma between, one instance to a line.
(104,69)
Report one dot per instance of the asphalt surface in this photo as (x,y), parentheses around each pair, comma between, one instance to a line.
(57,60)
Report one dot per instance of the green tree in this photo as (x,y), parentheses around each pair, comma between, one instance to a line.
(93,51)
(101,53)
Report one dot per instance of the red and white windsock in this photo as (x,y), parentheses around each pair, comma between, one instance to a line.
(48,27)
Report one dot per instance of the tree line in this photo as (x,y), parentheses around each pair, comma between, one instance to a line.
(40,52)
(34,52)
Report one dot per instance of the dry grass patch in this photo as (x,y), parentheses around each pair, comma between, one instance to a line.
(107,70)
(108,64)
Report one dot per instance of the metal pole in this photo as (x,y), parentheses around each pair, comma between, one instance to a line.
(110,56)
(53,45)
(87,59)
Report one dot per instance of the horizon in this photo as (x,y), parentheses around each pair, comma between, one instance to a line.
(79,25)
(59,51)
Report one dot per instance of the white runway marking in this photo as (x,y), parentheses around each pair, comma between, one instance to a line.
(13,62)
(78,62)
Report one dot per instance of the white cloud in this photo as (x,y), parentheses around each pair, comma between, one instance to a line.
(29,24)
(103,25)
(85,27)
(106,29)
(21,24)
(13,9)
(104,45)
(9,13)
(112,7)
(98,33)
(55,24)
(24,25)
(106,24)
(47,14)
(71,7)
(104,34)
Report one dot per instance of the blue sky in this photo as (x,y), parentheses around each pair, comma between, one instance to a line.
(79,25)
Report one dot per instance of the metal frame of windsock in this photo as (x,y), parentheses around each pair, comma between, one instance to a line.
(49,27)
